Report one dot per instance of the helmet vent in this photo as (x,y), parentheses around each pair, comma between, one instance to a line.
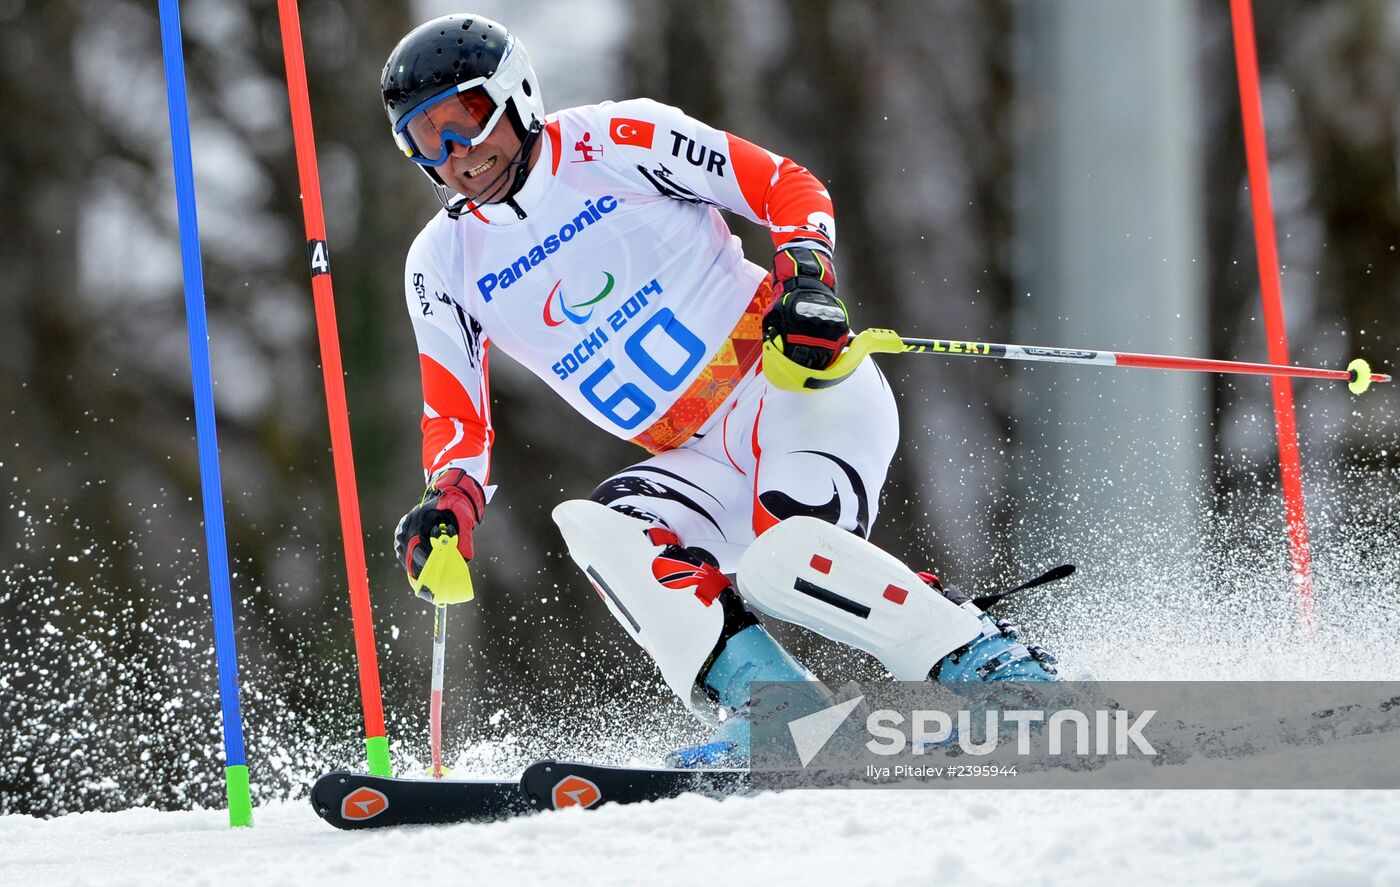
(525,84)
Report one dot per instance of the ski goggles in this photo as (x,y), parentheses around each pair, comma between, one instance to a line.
(464,113)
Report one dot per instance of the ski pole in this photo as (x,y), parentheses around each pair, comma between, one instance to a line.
(791,376)
(435,700)
(444,579)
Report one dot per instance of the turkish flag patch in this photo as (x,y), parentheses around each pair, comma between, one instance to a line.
(627,131)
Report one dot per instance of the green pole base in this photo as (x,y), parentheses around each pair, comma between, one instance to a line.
(240,799)
(377,750)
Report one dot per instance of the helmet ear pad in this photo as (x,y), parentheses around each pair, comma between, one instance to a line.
(513,114)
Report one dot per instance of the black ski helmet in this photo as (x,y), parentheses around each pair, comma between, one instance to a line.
(453,50)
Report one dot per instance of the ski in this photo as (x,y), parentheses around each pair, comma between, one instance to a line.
(358,800)
(552,785)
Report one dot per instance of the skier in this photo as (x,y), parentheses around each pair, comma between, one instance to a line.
(588,246)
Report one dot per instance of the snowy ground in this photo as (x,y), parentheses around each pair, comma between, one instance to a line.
(1208,609)
(831,837)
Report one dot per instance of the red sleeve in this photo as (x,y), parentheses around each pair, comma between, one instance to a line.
(452,360)
(788,199)
(659,147)
(454,430)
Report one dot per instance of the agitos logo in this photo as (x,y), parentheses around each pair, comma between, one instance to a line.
(556,297)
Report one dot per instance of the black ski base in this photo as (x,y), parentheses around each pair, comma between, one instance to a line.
(359,800)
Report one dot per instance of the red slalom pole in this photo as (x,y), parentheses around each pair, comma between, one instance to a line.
(376,743)
(1271,288)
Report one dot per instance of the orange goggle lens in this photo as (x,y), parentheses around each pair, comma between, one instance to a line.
(463,116)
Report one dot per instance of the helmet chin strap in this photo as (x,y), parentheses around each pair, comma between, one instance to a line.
(501,189)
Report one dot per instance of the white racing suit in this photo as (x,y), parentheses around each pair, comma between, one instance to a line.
(624,290)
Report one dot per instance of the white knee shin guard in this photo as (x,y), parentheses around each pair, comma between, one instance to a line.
(810,573)
(676,627)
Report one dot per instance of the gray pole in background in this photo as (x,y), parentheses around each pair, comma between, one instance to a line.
(1108,252)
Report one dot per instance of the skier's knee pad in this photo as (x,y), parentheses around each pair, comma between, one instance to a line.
(807,572)
(681,619)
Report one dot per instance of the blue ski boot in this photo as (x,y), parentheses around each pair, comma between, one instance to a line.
(997,654)
(746,652)
(750,655)
(981,670)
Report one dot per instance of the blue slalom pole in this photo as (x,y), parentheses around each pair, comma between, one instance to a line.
(240,804)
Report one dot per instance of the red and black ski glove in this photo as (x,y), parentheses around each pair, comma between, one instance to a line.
(453,503)
(806,318)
